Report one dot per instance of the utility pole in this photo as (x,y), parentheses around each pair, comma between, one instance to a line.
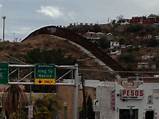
(65,110)
(84,98)
(3,18)
(76,92)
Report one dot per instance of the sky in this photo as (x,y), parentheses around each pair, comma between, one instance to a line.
(25,16)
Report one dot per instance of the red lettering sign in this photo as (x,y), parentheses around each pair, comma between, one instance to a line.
(132,93)
(124,92)
(127,92)
(141,93)
(136,93)
(113,100)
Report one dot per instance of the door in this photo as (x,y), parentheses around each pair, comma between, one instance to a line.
(149,115)
(128,114)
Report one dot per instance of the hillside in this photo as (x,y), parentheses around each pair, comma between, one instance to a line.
(128,44)
(54,42)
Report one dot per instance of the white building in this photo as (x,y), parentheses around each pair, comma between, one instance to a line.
(92,36)
(128,100)
(114,44)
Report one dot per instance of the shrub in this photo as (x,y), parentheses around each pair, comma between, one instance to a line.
(127,58)
(134,28)
(48,57)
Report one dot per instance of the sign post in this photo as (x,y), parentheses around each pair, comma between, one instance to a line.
(30,111)
(4,73)
(45,75)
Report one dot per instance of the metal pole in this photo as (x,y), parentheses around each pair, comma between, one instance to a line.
(30,101)
(4,18)
(84,97)
(137,77)
(76,93)
(18,75)
(65,110)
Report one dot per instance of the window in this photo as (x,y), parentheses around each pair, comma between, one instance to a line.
(150,99)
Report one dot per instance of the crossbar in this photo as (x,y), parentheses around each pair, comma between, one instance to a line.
(32,83)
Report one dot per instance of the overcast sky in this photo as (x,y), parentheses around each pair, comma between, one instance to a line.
(25,16)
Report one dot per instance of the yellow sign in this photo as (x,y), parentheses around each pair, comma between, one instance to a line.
(45,81)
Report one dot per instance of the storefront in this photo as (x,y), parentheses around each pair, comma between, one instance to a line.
(128,114)
(136,100)
(132,99)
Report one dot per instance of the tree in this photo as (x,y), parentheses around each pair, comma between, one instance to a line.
(153,16)
(135,28)
(48,57)
(47,107)
(96,28)
(113,21)
(90,113)
(127,57)
(14,102)
(103,43)
(87,110)
(120,19)
(153,43)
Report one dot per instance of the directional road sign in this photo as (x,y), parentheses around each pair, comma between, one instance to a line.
(45,75)
(4,73)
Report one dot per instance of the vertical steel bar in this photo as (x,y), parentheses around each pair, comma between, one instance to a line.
(76,93)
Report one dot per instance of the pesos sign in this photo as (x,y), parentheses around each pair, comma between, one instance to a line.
(45,75)
(132,94)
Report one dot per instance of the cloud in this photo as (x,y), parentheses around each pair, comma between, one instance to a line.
(50,11)
(71,15)
(1,5)
(24,29)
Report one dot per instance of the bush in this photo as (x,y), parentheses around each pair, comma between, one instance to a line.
(134,28)
(47,107)
(153,43)
(48,57)
(127,58)
(103,43)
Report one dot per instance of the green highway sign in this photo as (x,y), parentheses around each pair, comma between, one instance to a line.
(45,74)
(4,73)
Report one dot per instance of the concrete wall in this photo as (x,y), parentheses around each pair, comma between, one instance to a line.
(103,94)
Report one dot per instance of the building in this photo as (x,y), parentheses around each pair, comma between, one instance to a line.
(114,45)
(125,99)
(91,35)
(94,35)
(146,66)
(144,20)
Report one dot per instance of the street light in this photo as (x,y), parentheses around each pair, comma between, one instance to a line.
(3,18)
